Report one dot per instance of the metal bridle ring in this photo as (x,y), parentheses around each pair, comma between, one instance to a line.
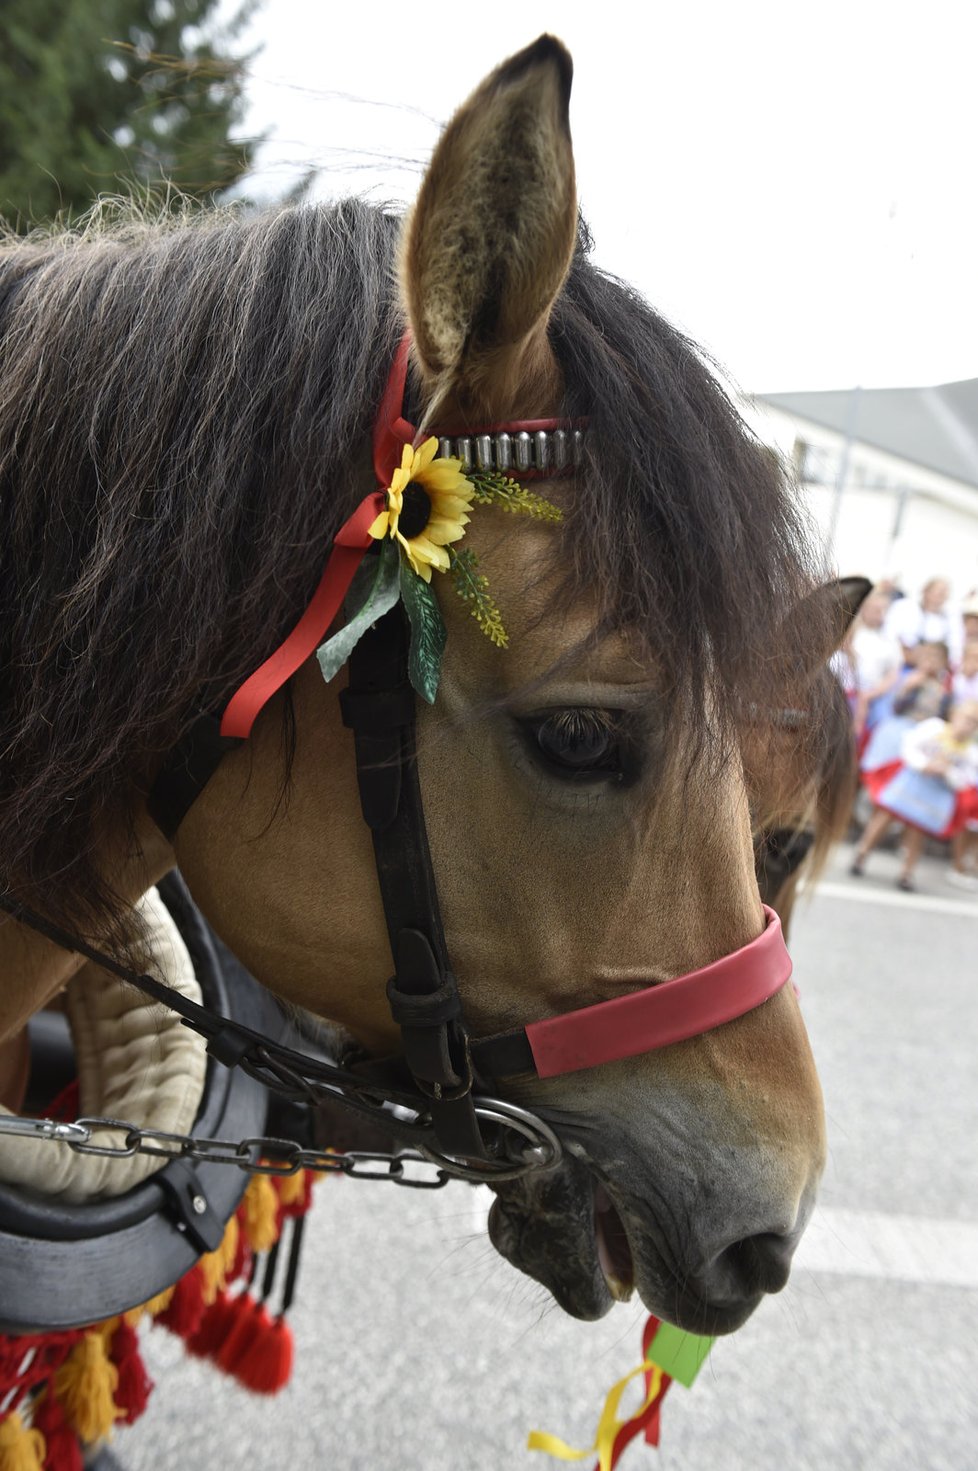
(542,1151)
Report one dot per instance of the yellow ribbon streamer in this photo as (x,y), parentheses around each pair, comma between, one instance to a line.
(608,1425)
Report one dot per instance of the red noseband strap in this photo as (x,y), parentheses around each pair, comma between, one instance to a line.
(655,1017)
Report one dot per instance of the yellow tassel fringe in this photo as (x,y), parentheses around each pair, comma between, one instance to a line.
(261,1213)
(292,1188)
(21,1449)
(216,1266)
(229,1246)
(85,1384)
(160,1302)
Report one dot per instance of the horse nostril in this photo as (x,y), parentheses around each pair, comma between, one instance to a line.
(750,1266)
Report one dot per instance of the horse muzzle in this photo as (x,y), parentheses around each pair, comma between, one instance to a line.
(592,1242)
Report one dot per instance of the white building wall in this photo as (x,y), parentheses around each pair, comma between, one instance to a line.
(933,539)
(894,519)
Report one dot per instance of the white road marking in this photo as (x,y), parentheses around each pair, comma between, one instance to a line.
(898,1248)
(848,1243)
(481,1201)
(861,893)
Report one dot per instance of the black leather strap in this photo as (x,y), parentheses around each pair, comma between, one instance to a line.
(507,1055)
(379,707)
(186,771)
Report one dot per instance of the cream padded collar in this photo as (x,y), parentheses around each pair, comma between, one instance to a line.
(135,1062)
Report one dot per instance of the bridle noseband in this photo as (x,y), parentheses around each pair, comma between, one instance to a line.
(428,1097)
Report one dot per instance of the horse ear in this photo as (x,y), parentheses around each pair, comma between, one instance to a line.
(843,597)
(491,236)
(825,617)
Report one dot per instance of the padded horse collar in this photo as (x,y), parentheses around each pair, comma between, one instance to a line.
(442,1065)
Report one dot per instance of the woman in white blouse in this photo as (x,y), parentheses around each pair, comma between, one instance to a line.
(925,619)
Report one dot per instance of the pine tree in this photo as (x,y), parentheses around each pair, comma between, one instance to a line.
(104,96)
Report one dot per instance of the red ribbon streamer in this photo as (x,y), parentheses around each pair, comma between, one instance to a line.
(648,1418)
(391,433)
(349,546)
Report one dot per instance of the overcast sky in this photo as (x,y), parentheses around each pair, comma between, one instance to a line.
(795,185)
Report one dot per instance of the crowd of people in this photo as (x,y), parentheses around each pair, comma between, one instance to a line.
(909,667)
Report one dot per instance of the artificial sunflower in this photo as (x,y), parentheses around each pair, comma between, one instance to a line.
(428,502)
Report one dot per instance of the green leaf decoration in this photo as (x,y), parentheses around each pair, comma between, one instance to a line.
(679,1354)
(473,589)
(382,577)
(493,488)
(428,633)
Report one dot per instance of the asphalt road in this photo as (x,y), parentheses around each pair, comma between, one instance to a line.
(420,1350)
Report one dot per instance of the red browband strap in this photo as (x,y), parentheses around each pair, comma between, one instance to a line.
(657,1016)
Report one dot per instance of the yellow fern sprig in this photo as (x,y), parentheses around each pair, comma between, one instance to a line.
(473,588)
(493,488)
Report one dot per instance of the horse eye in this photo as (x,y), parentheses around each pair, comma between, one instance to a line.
(578,742)
(787,847)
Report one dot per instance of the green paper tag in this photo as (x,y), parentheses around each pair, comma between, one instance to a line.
(428,633)
(383,592)
(679,1354)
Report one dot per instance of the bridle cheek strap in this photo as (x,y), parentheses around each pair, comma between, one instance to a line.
(643,1021)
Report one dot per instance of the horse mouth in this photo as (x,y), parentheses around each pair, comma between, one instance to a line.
(570,1237)
(611,1244)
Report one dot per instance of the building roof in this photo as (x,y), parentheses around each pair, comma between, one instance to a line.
(934,427)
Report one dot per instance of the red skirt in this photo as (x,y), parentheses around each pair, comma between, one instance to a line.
(874,781)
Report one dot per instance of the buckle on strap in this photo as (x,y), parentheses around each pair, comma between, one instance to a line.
(431,1010)
(425,1003)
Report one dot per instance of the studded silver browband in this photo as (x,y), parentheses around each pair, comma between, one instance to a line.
(544,452)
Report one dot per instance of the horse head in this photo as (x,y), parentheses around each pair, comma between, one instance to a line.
(588,824)
(585,796)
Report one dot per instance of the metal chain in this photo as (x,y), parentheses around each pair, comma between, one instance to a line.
(404,1109)
(258,1155)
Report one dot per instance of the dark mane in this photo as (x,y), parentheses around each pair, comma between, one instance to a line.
(184,419)
(690,527)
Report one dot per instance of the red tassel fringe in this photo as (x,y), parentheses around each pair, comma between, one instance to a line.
(135,1386)
(265,1363)
(213,1328)
(236,1332)
(186,1308)
(237,1337)
(63,1452)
